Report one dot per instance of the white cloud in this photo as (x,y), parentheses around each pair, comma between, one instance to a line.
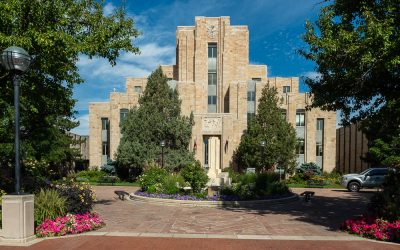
(83,128)
(109,9)
(311,74)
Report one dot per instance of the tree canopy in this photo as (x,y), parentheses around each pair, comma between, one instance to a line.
(158,117)
(356,47)
(269,125)
(55,33)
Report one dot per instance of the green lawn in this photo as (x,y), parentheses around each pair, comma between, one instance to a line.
(123,183)
(297,185)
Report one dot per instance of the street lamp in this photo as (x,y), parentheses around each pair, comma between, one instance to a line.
(162,144)
(17,60)
(262,145)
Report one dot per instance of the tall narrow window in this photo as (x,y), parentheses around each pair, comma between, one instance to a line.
(319,143)
(104,123)
(283,112)
(300,147)
(286,89)
(251,100)
(251,96)
(300,118)
(123,113)
(205,150)
(212,78)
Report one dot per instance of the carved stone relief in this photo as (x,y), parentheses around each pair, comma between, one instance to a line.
(213,124)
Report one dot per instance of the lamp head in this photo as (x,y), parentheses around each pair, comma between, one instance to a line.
(15,58)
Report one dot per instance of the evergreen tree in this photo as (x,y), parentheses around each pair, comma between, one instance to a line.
(270,126)
(158,117)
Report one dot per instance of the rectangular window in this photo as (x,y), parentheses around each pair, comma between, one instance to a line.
(212,78)
(205,150)
(123,113)
(251,96)
(138,89)
(250,117)
(212,50)
(105,148)
(104,123)
(300,147)
(319,149)
(212,99)
(320,124)
(300,118)
(286,89)
(256,79)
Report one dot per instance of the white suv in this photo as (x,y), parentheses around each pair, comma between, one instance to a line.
(370,178)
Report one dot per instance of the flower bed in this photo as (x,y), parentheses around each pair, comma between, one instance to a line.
(69,224)
(207,198)
(373,228)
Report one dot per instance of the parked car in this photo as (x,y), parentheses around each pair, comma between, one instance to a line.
(370,178)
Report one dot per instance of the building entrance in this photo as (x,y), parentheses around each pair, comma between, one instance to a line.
(212,154)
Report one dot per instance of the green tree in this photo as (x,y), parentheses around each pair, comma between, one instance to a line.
(158,117)
(355,45)
(55,33)
(270,126)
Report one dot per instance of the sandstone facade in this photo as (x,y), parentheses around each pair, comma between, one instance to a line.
(216,82)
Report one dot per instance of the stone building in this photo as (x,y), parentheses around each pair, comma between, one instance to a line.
(215,81)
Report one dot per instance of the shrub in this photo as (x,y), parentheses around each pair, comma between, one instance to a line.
(108,169)
(152,176)
(91,175)
(309,169)
(79,196)
(69,224)
(48,205)
(196,176)
(2,192)
(386,204)
(172,184)
(263,180)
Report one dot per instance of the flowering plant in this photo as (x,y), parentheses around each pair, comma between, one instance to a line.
(374,228)
(80,195)
(69,224)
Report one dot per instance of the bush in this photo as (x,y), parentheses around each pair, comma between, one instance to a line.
(79,196)
(91,175)
(172,184)
(263,180)
(386,204)
(2,192)
(48,205)
(109,168)
(196,176)
(152,176)
(309,169)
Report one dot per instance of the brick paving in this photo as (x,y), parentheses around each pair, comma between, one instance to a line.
(294,225)
(319,217)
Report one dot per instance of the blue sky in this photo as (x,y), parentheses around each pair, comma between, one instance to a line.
(275,35)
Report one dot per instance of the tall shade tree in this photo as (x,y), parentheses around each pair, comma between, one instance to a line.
(55,33)
(270,126)
(158,117)
(356,47)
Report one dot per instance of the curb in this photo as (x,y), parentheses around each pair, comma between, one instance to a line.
(189,203)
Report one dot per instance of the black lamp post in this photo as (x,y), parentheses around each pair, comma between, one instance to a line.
(262,145)
(17,60)
(162,144)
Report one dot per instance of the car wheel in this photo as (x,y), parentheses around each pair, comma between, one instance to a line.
(353,186)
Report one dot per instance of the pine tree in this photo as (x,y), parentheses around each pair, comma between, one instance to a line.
(157,118)
(270,126)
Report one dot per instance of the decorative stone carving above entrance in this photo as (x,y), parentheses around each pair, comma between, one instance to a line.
(212,124)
